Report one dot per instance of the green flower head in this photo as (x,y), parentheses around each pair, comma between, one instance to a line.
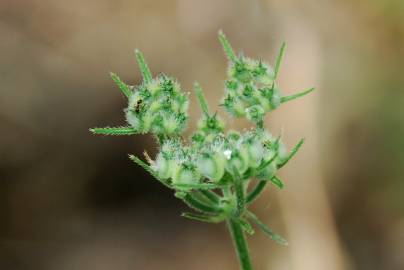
(217,173)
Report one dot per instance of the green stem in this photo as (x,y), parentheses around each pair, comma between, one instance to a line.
(240,244)
(211,196)
(194,203)
(239,193)
(240,197)
(260,124)
(256,191)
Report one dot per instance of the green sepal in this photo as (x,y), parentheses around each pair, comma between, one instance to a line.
(180,194)
(274,180)
(144,165)
(292,153)
(279,59)
(203,218)
(246,226)
(297,95)
(197,194)
(125,89)
(187,187)
(115,131)
(198,205)
(211,195)
(274,236)
(277,182)
(144,69)
(228,50)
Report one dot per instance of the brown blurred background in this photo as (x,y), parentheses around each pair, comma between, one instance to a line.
(70,200)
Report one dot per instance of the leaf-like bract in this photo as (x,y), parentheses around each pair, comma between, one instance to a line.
(115,131)
(274,236)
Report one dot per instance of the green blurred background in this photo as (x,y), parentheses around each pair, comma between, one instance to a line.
(70,200)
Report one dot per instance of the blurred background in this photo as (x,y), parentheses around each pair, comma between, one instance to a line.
(70,200)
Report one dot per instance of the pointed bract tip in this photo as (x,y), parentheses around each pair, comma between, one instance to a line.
(138,53)
(297,95)
(228,50)
(144,69)
(279,59)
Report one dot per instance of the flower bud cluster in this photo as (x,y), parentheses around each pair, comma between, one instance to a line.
(208,128)
(250,89)
(212,171)
(255,152)
(158,106)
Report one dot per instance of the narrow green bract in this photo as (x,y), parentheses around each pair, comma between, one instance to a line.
(212,170)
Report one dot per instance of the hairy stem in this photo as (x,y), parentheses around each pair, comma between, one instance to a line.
(240,197)
(240,244)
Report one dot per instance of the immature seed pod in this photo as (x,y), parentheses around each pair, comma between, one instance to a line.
(268,172)
(198,138)
(248,93)
(154,87)
(264,74)
(174,105)
(265,79)
(212,166)
(170,124)
(265,97)
(269,154)
(250,64)
(256,153)
(163,166)
(238,108)
(237,159)
(264,102)
(133,120)
(211,124)
(231,85)
(183,103)
(183,174)
(255,113)
(148,119)
(240,72)
(157,125)
(155,106)
(209,137)
(282,153)
(179,102)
